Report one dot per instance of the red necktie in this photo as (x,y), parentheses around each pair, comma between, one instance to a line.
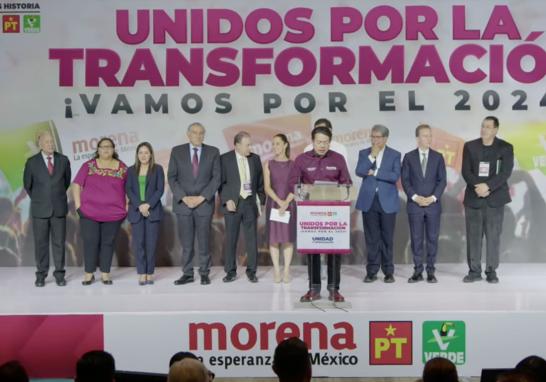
(49,165)
(195,162)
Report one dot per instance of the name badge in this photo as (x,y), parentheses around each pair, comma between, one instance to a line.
(311,168)
(483,169)
(331,168)
(247,187)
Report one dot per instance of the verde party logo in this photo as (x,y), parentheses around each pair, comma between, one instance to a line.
(31,23)
(445,339)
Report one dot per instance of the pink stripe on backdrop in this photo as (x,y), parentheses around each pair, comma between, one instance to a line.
(323,203)
(49,346)
(325,251)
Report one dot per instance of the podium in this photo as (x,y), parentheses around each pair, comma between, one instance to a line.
(323,225)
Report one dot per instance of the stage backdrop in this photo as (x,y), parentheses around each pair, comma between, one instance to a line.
(138,71)
(142,71)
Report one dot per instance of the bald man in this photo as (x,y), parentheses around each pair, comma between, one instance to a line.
(188,370)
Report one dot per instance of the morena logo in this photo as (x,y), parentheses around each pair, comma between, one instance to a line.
(266,335)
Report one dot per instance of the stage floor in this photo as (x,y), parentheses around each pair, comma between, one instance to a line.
(522,288)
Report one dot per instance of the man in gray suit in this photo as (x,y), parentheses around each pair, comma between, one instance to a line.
(46,178)
(242,184)
(194,178)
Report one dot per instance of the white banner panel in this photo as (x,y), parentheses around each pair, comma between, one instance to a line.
(324,227)
(341,345)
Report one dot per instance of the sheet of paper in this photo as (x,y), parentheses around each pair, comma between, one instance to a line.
(276,217)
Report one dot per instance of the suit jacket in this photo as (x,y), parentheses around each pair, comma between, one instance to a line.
(47,192)
(500,156)
(155,186)
(384,182)
(433,183)
(183,183)
(230,186)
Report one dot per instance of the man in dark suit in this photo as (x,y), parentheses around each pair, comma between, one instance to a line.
(379,167)
(194,178)
(46,179)
(242,183)
(424,182)
(487,165)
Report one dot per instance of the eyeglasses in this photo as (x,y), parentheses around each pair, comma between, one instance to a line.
(377,136)
(106,147)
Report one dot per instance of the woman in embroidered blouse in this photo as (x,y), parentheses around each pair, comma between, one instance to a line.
(99,195)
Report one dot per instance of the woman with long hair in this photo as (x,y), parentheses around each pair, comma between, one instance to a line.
(280,197)
(145,186)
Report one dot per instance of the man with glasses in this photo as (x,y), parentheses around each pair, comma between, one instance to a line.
(379,167)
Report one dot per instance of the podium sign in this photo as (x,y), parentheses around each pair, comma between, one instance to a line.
(324,227)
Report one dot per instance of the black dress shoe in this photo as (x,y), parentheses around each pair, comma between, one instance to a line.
(205,280)
(492,279)
(90,281)
(431,278)
(252,278)
(60,281)
(388,279)
(107,281)
(184,280)
(370,278)
(416,277)
(40,282)
(229,278)
(471,279)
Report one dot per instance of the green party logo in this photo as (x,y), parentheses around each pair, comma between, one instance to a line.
(529,140)
(31,23)
(446,339)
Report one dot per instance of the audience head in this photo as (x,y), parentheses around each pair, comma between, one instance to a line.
(440,370)
(291,361)
(13,371)
(188,370)
(515,376)
(182,355)
(95,366)
(534,366)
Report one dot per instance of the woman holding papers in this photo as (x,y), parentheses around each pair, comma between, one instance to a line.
(280,208)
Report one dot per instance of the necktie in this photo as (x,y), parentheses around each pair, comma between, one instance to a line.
(424,163)
(243,177)
(195,162)
(374,165)
(49,165)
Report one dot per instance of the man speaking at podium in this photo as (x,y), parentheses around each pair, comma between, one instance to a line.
(321,164)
